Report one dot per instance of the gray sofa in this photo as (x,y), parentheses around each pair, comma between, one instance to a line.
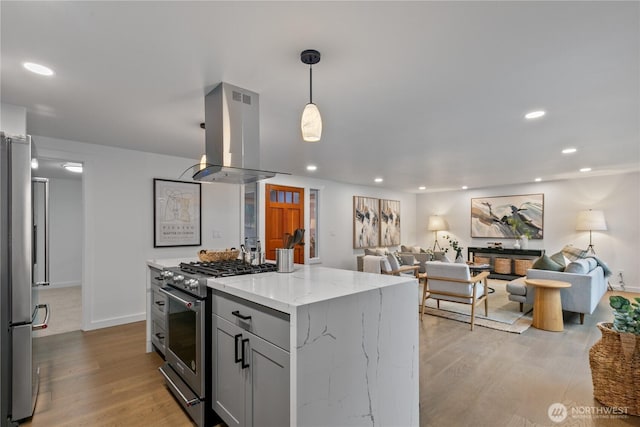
(582,297)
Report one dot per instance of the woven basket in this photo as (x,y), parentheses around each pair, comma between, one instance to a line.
(615,369)
(481,260)
(502,265)
(212,256)
(520,266)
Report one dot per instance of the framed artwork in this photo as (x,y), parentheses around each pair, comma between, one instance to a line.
(366,219)
(389,222)
(176,213)
(508,217)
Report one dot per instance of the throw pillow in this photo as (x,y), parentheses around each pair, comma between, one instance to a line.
(578,266)
(393,262)
(396,254)
(559,258)
(370,252)
(382,251)
(404,248)
(546,263)
(415,249)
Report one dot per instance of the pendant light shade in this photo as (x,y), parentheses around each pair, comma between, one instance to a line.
(311,122)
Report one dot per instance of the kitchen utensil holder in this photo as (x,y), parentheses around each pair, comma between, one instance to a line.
(284,260)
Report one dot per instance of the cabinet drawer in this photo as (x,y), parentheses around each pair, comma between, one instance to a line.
(155,277)
(158,300)
(158,335)
(267,323)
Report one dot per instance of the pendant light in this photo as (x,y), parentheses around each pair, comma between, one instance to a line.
(311,122)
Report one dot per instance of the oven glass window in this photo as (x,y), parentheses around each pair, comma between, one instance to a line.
(182,333)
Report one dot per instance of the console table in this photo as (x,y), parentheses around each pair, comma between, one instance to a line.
(493,253)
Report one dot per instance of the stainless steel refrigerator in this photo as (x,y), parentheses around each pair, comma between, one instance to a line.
(20,312)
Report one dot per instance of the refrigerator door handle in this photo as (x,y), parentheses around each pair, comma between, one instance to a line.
(45,322)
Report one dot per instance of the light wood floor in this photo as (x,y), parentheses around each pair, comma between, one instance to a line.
(474,378)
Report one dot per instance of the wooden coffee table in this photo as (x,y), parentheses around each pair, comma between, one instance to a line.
(547,305)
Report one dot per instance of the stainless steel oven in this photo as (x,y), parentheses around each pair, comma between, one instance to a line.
(188,334)
(184,371)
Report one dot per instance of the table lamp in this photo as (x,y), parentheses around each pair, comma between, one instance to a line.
(591,221)
(437,223)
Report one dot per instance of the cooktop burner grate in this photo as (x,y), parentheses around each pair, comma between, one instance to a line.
(225,268)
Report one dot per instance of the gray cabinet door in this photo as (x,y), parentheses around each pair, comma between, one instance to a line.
(228,377)
(268,384)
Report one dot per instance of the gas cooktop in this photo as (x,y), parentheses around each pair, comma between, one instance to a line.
(224,268)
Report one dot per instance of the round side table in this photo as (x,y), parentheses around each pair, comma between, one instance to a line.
(547,305)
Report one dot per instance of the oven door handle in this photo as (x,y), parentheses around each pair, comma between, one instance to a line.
(191,305)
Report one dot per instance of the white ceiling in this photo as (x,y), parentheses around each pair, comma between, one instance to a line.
(419,93)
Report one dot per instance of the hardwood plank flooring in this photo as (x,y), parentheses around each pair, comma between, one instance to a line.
(474,378)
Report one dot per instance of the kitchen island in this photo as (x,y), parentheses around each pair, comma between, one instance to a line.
(349,357)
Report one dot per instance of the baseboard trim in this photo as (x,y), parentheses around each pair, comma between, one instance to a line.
(116,321)
(626,289)
(63,284)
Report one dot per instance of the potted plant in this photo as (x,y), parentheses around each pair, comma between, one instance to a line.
(456,247)
(615,359)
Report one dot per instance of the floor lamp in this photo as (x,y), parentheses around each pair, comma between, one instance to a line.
(437,223)
(591,221)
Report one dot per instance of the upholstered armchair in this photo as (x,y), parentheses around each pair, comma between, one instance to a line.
(453,282)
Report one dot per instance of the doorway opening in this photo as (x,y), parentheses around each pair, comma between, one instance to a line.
(65,224)
(284,213)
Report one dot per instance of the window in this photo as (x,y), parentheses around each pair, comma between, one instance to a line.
(313,223)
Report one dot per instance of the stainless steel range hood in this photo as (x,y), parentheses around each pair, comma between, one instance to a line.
(232,124)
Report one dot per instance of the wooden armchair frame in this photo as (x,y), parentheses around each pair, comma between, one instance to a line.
(403,269)
(474,280)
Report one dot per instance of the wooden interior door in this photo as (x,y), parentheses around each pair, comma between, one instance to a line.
(284,212)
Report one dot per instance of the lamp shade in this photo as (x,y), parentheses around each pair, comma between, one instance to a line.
(437,223)
(311,123)
(591,221)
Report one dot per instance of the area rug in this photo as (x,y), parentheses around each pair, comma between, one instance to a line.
(504,315)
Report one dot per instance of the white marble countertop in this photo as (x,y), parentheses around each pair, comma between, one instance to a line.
(169,262)
(308,284)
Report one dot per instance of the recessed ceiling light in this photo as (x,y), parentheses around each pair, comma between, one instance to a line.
(312,168)
(585,170)
(73,167)
(422,187)
(38,69)
(464,187)
(534,114)
(378,180)
(569,150)
(538,179)
(34,163)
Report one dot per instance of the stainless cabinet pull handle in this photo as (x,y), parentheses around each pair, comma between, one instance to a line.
(160,303)
(160,336)
(241,316)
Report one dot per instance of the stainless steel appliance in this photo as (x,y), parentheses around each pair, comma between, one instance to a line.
(188,339)
(19,310)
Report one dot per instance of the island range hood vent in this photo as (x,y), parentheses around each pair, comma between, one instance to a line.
(232,142)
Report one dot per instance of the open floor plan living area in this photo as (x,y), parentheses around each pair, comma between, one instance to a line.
(311,213)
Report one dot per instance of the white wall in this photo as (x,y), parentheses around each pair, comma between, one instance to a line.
(65,221)
(13,119)
(335,225)
(117,191)
(617,195)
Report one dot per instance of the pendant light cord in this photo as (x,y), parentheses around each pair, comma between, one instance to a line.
(310,84)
